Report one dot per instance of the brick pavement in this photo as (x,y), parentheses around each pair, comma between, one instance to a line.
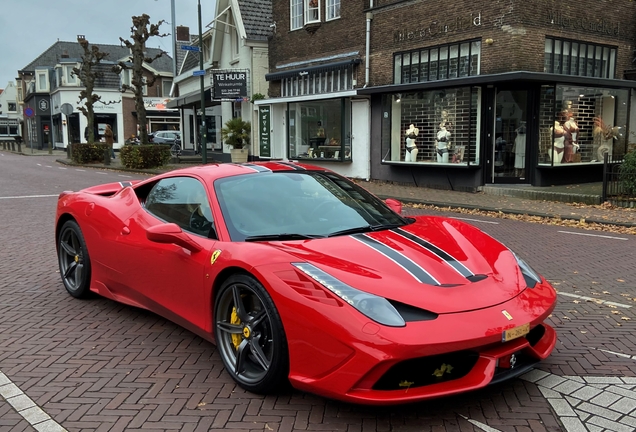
(98,365)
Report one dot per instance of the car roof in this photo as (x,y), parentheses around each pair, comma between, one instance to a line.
(211,172)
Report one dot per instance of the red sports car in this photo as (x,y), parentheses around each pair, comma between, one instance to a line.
(299,275)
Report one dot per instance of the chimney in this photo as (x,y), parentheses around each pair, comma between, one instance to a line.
(183,33)
(81,37)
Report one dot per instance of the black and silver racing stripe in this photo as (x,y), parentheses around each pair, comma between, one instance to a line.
(256,168)
(448,258)
(414,269)
(292,166)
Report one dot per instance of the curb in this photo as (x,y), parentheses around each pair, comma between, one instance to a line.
(544,195)
(508,211)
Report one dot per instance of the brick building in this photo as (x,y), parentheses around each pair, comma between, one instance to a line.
(48,83)
(454,95)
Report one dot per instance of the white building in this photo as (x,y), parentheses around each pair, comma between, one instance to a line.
(10,112)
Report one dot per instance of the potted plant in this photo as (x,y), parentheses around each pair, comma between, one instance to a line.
(236,134)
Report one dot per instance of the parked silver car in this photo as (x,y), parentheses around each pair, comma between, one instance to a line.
(165,136)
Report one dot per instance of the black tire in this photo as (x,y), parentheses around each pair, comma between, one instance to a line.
(250,339)
(74,261)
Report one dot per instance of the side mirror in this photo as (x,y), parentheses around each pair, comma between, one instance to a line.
(394,205)
(171,233)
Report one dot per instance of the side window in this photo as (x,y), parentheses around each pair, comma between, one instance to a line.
(183,201)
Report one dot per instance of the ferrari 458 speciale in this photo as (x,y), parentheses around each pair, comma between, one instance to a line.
(300,276)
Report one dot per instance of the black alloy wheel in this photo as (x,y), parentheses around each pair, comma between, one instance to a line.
(75,264)
(250,336)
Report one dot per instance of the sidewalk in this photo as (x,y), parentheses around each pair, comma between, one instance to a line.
(492,198)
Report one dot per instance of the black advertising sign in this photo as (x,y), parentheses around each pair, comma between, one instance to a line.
(230,84)
(264,127)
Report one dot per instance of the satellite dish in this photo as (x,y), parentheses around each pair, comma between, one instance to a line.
(66,108)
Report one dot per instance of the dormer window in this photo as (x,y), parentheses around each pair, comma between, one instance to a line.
(303,12)
(42,81)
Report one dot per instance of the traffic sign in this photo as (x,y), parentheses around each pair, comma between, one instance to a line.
(190,48)
(28,111)
(198,73)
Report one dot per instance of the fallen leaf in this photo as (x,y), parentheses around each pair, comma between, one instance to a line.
(615,312)
(567,318)
(583,331)
(620,280)
(576,301)
(625,295)
(606,292)
(625,318)
(611,306)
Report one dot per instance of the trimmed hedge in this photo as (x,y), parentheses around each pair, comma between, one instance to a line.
(89,153)
(144,156)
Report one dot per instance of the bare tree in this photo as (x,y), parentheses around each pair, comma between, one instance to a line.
(141,31)
(88,74)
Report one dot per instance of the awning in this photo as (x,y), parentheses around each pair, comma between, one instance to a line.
(325,67)
(501,78)
(192,100)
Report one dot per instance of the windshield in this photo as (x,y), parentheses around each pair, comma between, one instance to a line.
(299,204)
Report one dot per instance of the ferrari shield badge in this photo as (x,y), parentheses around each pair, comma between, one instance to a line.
(214,256)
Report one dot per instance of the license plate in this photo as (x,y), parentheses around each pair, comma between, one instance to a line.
(515,333)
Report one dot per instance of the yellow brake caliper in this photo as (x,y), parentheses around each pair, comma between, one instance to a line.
(236,338)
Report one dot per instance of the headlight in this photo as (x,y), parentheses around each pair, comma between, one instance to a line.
(377,308)
(532,277)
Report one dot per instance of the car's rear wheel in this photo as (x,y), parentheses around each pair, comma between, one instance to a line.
(250,336)
(75,264)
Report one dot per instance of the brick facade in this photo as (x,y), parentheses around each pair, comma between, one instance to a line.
(517,28)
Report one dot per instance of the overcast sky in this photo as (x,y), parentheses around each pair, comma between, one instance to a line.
(30,27)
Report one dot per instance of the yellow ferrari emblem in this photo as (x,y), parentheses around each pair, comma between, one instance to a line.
(507,314)
(246,332)
(76,258)
(444,368)
(214,256)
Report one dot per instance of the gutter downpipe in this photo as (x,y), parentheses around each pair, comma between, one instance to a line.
(367,48)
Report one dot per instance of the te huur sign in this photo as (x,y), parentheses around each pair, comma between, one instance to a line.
(438,28)
(229,85)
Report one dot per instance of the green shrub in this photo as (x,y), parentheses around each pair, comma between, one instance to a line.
(89,153)
(144,156)
(627,174)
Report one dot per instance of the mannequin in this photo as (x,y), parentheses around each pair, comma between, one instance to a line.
(443,142)
(571,131)
(411,148)
(559,142)
(520,150)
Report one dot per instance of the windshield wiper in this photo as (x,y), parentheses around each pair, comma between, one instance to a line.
(363,229)
(283,236)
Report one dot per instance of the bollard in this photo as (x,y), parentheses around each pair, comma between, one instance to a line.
(107,156)
(68,151)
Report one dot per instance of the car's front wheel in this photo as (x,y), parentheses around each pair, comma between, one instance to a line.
(75,264)
(250,336)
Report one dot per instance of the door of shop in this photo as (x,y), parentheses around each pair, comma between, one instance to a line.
(507,149)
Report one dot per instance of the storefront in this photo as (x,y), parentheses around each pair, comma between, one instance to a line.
(319,118)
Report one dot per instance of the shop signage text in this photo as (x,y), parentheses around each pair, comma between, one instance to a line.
(264,125)
(229,84)
(437,28)
(592,25)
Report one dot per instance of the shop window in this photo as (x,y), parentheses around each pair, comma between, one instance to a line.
(567,57)
(441,62)
(333,9)
(13,129)
(320,130)
(579,125)
(435,126)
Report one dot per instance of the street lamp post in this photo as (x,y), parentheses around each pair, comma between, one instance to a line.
(204,129)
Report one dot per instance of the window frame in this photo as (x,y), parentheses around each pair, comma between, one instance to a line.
(583,58)
(435,63)
(331,7)
(42,74)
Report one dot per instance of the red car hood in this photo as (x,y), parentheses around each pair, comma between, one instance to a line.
(438,264)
